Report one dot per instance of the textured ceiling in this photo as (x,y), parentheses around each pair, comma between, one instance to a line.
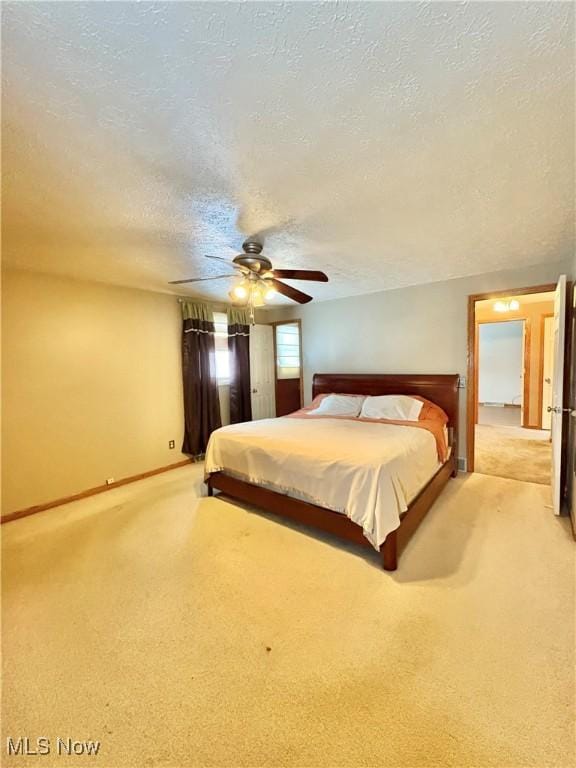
(386,143)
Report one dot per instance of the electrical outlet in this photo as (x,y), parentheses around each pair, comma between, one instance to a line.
(171,444)
(110,481)
(462,382)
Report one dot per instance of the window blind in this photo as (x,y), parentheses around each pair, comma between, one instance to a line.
(288,351)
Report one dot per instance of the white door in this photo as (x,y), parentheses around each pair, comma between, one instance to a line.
(547,372)
(262,372)
(558,390)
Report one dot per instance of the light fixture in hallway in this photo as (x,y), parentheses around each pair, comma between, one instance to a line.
(507,306)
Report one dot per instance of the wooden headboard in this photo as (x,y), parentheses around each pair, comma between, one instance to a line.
(440,388)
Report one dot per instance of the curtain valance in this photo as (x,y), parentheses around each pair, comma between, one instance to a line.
(195,310)
(238,316)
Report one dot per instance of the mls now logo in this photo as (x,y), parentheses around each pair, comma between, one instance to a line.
(42,746)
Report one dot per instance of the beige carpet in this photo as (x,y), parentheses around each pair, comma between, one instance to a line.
(511,452)
(191,632)
(504,417)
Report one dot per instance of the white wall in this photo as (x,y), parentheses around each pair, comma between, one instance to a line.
(500,362)
(422,329)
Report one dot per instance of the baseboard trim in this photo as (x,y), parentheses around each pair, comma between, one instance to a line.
(500,405)
(90,492)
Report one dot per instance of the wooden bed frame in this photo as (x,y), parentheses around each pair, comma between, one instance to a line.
(441,389)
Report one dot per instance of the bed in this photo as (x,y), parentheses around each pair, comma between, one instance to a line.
(370,483)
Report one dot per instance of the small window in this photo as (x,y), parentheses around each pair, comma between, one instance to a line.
(288,351)
(221,345)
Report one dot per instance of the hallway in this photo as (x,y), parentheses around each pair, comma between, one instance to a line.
(513,452)
(500,416)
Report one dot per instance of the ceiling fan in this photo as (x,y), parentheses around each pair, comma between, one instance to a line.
(259,280)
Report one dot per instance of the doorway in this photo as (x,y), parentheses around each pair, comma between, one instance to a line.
(500,371)
(288,366)
(508,357)
(276,369)
(262,383)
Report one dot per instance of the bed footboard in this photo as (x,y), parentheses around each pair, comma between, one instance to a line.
(333,522)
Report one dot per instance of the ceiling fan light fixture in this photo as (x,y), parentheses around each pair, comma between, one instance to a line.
(269,291)
(240,291)
(235,300)
(257,295)
(240,294)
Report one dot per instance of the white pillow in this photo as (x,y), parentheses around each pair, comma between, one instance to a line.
(396,407)
(338,405)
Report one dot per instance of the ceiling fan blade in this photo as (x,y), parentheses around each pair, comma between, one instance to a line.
(239,267)
(218,258)
(291,293)
(199,279)
(300,274)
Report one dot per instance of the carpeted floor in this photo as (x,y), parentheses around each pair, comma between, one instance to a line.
(513,452)
(185,631)
(500,417)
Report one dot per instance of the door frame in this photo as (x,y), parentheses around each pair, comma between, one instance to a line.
(525,363)
(297,322)
(472,362)
(541,367)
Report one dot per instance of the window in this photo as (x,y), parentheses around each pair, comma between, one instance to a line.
(288,351)
(221,344)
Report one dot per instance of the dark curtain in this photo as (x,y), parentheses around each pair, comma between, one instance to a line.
(239,347)
(201,401)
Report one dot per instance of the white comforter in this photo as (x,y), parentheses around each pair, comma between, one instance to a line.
(369,472)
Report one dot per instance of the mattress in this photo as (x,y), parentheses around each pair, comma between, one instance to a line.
(368,471)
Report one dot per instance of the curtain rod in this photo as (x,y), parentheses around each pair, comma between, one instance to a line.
(199,301)
(181,300)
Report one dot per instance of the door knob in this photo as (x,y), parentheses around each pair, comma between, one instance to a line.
(557,409)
